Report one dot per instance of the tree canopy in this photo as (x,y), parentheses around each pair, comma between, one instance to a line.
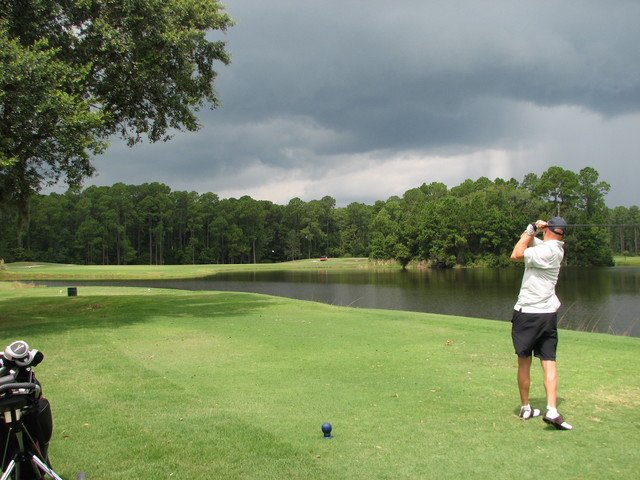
(73,73)
(473,224)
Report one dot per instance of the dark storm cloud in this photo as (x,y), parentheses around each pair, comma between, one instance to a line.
(315,85)
(328,57)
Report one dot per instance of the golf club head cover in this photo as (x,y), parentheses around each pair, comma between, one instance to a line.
(18,352)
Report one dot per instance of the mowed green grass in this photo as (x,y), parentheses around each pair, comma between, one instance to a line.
(627,261)
(202,385)
(39,270)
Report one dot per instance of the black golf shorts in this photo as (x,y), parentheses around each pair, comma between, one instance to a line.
(535,332)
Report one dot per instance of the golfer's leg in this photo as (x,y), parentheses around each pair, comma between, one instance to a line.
(524,379)
(550,381)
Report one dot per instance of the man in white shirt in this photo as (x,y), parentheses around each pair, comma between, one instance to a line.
(534,324)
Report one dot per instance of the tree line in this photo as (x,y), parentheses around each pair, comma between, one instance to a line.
(473,224)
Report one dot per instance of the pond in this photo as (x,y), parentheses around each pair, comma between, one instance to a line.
(605,300)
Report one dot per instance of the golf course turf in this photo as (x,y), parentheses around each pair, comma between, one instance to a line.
(201,385)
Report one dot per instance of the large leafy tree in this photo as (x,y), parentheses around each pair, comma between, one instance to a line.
(47,127)
(591,194)
(557,186)
(75,72)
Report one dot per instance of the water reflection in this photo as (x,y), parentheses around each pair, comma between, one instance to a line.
(601,300)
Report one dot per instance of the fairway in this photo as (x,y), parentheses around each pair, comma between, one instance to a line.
(49,271)
(171,384)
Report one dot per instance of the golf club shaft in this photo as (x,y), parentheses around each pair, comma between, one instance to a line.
(602,225)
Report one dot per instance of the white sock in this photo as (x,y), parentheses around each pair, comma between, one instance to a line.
(532,411)
(552,412)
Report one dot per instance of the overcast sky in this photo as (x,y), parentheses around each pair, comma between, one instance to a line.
(364,99)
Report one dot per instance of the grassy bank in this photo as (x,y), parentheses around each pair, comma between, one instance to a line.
(171,384)
(38,271)
(626,261)
(24,271)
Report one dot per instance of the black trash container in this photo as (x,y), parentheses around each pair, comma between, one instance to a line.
(72,291)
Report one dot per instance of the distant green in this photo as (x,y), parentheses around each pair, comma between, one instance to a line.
(201,385)
(42,270)
(622,261)
(25,271)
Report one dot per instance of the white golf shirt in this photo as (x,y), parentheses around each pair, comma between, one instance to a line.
(542,265)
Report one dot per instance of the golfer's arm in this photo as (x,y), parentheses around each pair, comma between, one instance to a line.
(525,242)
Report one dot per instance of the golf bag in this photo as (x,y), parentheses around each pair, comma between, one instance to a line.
(26,424)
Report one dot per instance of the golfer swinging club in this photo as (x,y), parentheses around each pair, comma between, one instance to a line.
(534,324)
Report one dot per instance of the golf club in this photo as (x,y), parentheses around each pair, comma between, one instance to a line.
(601,225)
